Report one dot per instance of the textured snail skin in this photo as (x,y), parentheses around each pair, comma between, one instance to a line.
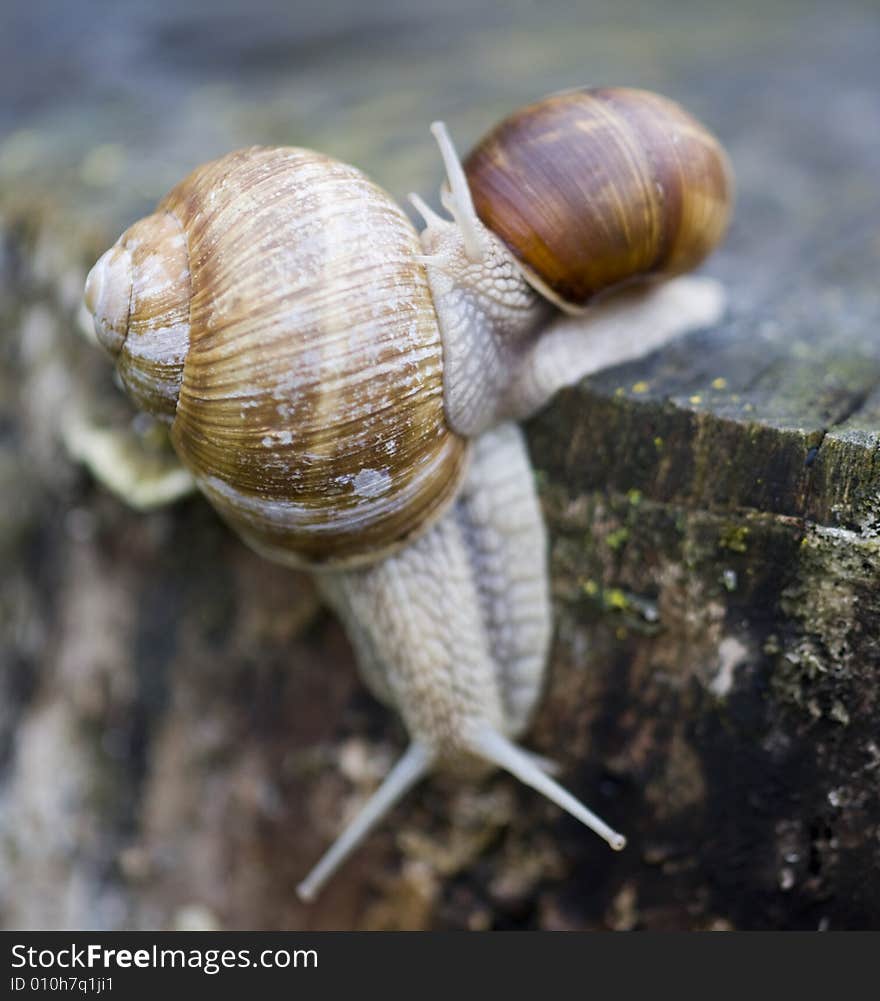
(301,339)
(481,567)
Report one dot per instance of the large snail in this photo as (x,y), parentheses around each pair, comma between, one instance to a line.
(343,389)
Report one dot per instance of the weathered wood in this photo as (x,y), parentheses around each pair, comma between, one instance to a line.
(181,728)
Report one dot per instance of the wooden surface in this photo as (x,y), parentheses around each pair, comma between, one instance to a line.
(181,728)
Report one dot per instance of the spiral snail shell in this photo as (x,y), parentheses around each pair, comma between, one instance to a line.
(592,189)
(273,311)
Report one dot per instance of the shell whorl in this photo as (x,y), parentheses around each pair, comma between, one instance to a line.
(310,403)
(593,189)
(139,295)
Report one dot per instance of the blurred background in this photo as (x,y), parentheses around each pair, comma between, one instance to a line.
(181,728)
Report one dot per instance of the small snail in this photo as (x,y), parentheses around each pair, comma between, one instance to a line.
(343,390)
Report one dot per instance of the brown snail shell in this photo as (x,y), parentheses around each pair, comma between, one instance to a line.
(273,311)
(596,188)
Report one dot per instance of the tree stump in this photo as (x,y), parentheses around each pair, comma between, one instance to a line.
(182,730)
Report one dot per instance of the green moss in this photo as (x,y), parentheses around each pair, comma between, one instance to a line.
(734,537)
(617,539)
(615,598)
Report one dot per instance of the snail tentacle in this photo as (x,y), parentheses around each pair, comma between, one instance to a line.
(429,216)
(502,752)
(410,769)
(457,198)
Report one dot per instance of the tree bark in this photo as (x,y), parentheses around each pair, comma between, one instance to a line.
(182,731)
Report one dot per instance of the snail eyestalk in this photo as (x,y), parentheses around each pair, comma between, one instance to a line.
(457,200)
(411,768)
(500,751)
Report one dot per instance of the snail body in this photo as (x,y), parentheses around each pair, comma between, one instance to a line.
(344,389)
(565,201)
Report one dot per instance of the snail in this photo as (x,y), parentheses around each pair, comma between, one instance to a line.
(344,390)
